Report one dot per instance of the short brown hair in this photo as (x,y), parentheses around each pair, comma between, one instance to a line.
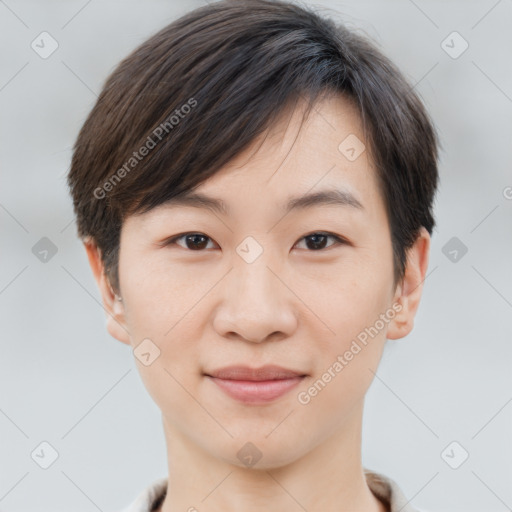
(224,72)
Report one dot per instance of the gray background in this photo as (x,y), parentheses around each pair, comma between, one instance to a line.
(65,381)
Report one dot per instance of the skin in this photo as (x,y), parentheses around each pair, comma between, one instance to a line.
(296,306)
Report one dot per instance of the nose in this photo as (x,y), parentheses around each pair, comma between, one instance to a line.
(255,304)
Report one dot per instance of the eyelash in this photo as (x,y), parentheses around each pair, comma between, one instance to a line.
(338,240)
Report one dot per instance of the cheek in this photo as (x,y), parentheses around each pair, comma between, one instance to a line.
(159,307)
(158,297)
(174,374)
(346,360)
(354,307)
(347,301)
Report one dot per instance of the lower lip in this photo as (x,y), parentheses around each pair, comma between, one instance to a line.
(256,391)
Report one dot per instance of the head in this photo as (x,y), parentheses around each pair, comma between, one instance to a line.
(185,181)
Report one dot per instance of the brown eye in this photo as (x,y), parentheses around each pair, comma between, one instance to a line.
(198,241)
(318,241)
(192,241)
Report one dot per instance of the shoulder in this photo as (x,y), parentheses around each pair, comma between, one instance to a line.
(150,498)
(388,491)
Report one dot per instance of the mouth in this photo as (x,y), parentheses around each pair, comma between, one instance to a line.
(255,385)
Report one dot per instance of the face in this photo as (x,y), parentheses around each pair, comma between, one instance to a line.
(309,289)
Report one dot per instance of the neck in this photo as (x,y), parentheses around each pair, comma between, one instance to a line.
(329,477)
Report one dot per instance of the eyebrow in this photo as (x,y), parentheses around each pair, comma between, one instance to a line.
(335,197)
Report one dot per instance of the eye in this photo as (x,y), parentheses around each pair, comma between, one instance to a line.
(199,241)
(317,241)
(192,241)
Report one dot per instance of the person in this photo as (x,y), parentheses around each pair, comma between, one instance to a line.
(254,190)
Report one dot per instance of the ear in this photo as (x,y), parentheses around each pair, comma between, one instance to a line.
(408,292)
(114,308)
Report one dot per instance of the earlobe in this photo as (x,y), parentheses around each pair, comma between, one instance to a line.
(409,291)
(113,307)
(402,323)
(116,323)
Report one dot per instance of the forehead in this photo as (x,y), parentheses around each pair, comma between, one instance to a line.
(326,151)
(298,164)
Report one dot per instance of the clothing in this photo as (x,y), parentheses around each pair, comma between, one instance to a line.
(383,487)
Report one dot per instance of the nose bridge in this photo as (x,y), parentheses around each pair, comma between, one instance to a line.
(256,287)
(255,280)
(255,303)
(251,265)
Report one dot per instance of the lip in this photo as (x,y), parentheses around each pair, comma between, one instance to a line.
(255,385)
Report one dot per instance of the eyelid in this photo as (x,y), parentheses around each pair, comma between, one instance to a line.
(340,240)
(172,240)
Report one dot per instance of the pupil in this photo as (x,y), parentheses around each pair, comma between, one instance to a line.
(194,239)
(315,244)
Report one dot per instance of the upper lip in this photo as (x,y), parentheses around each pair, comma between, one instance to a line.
(269,372)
